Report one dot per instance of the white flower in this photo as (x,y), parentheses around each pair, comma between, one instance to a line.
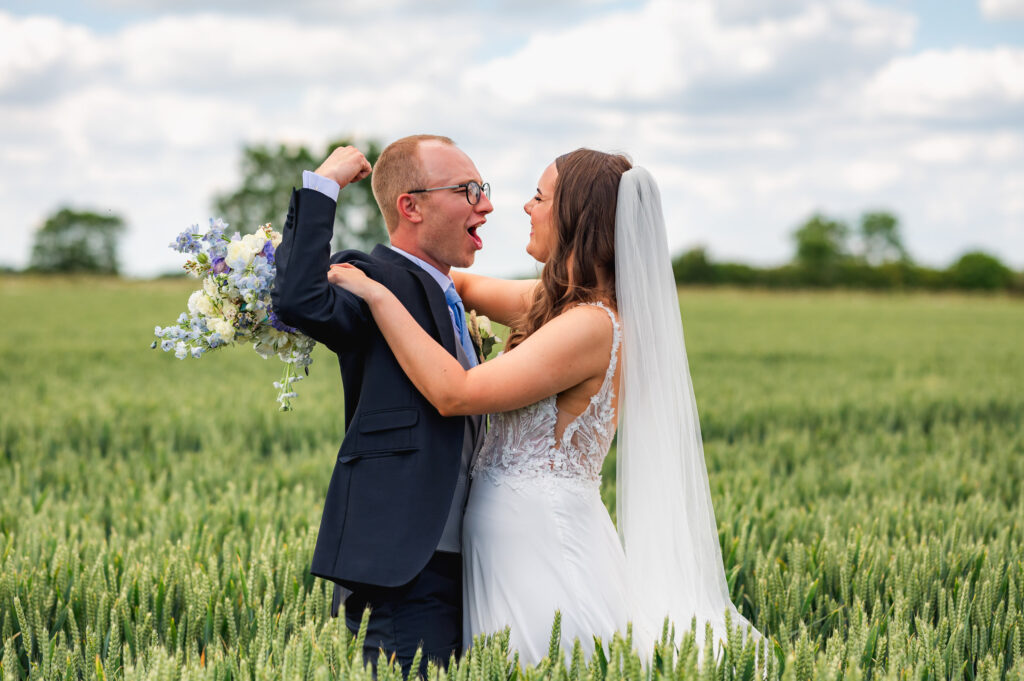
(180,350)
(255,242)
(270,340)
(228,309)
(240,254)
(275,238)
(193,302)
(204,305)
(483,325)
(210,286)
(222,328)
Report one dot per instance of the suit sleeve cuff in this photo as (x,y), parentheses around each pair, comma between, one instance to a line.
(324,185)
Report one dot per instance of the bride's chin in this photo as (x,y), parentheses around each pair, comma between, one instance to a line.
(532,252)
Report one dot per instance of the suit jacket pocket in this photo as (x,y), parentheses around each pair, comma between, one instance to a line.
(381,433)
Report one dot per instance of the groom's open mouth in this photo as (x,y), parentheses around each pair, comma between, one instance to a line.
(474,236)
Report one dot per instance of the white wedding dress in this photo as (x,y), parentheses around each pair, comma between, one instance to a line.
(536,535)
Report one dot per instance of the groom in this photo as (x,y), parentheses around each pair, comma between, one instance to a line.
(392,520)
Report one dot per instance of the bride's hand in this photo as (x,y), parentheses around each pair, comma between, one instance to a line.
(353,280)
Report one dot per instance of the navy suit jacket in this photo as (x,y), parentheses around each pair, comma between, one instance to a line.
(396,471)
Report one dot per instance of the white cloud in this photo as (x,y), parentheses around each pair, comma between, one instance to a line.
(868,176)
(961,83)
(962,148)
(39,55)
(1002,9)
(744,11)
(942,149)
(216,53)
(683,54)
(220,53)
(750,118)
(307,9)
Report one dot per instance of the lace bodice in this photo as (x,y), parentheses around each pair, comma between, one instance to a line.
(522,443)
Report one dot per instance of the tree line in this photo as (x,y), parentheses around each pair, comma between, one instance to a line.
(828,252)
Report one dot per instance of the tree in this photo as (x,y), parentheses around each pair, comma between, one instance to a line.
(977,270)
(270,173)
(880,238)
(693,267)
(820,247)
(73,241)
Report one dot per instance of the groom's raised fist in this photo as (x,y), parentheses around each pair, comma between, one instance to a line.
(345,165)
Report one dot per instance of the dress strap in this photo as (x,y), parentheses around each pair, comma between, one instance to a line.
(616,340)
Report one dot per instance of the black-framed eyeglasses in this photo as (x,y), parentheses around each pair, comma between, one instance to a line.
(472,188)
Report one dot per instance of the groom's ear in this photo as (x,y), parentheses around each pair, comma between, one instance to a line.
(409,208)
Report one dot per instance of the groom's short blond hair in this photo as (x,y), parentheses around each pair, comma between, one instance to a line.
(398,170)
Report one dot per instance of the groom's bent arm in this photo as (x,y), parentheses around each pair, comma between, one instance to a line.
(302,296)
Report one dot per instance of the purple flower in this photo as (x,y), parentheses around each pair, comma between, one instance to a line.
(278,324)
(219,266)
(268,251)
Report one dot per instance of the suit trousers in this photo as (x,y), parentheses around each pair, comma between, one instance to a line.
(425,612)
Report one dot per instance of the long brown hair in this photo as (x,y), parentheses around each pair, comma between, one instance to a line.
(581,267)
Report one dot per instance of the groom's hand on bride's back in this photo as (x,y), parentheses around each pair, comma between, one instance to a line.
(345,165)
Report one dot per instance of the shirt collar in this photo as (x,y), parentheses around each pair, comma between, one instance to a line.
(443,280)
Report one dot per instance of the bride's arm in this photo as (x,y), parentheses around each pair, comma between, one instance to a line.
(502,300)
(563,353)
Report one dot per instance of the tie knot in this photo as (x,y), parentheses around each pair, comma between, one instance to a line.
(452,296)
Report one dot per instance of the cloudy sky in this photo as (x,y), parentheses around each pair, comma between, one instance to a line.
(752,114)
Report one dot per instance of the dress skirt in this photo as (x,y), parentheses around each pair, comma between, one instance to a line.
(532,545)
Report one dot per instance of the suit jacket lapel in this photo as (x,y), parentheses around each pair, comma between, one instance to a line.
(435,297)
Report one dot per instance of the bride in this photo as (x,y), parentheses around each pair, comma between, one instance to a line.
(597,341)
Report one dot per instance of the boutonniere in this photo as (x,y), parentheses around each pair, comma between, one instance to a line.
(482,335)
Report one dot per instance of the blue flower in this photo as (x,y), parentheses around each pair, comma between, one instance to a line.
(216,233)
(249,282)
(265,271)
(167,345)
(217,250)
(186,241)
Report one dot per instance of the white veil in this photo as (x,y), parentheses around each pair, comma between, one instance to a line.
(665,518)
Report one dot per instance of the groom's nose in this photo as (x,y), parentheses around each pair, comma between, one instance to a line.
(484,205)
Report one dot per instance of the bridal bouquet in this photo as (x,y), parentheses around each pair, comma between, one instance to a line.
(233,305)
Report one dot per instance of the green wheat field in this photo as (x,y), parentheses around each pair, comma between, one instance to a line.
(865,452)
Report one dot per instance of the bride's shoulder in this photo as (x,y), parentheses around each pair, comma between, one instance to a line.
(597,308)
(593,316)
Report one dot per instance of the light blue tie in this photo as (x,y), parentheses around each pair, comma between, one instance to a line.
(459,312)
